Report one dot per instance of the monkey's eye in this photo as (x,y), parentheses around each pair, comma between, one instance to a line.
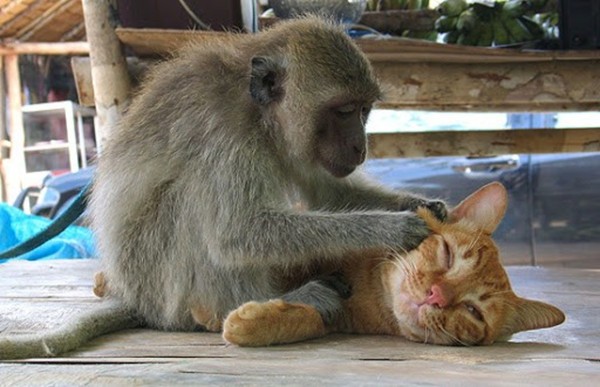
(346,110)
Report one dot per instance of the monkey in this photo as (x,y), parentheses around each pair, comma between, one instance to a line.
(194,200)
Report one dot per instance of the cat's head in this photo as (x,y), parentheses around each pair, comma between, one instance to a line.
(453,290)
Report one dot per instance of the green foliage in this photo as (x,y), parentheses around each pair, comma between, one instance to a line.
(503,22)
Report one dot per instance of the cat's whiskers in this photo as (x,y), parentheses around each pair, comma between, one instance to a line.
(475,240)
(398,253)
(451,336)
(403,265)
(427,331)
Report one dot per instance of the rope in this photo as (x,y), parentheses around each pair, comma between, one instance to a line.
(58,225)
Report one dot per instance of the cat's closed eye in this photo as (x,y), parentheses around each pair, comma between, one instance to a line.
(474,311)
(448,255)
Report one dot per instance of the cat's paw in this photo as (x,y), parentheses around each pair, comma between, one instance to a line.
(274,322)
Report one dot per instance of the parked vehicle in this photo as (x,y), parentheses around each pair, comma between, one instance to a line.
(56,193)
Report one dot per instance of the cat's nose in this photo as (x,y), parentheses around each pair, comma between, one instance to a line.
(438,295)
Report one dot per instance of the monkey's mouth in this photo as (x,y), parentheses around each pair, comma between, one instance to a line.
(339,171)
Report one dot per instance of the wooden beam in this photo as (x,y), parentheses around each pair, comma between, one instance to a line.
(62,48)
(483,143)
(109,70)
(3,142)
(527,86)
(17,136)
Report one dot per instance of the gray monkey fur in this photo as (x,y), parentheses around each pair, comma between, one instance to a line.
(193,200)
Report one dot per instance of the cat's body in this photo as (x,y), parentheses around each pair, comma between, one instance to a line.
(451,289)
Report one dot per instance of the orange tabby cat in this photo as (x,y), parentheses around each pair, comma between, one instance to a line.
(451,290)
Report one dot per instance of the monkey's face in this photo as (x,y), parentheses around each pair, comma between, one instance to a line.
(317,90)
(340,141)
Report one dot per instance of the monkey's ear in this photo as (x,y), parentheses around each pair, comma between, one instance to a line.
(266,80)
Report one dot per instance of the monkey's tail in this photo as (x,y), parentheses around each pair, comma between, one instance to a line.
(109,317)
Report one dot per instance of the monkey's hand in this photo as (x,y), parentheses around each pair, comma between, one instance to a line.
(408,230)
(413,230)
(437,207)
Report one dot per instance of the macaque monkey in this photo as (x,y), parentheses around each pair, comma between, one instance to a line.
(194,202)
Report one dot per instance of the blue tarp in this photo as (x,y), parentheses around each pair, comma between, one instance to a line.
(17,226)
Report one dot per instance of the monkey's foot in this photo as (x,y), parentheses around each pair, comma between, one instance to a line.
(100,284)
(206,319)
(274,322)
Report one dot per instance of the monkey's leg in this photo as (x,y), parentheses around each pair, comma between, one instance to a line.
(206,319)
(257,324)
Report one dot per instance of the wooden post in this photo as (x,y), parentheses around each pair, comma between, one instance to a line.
(109,70)
(17,137)
(3,138)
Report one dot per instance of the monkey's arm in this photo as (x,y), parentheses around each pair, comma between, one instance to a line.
(358,192)
(290,238)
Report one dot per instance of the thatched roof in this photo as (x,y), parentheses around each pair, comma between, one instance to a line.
(41,20)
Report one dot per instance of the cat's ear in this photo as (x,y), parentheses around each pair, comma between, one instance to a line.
(484,207)
(529,314)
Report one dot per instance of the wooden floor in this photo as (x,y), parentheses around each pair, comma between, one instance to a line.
(41,295)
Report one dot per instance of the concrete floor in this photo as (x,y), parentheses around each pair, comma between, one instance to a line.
(42,295)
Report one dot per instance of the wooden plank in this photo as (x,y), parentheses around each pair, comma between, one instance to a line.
(483,143)
(527,86)
(313,372)
(562,355)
